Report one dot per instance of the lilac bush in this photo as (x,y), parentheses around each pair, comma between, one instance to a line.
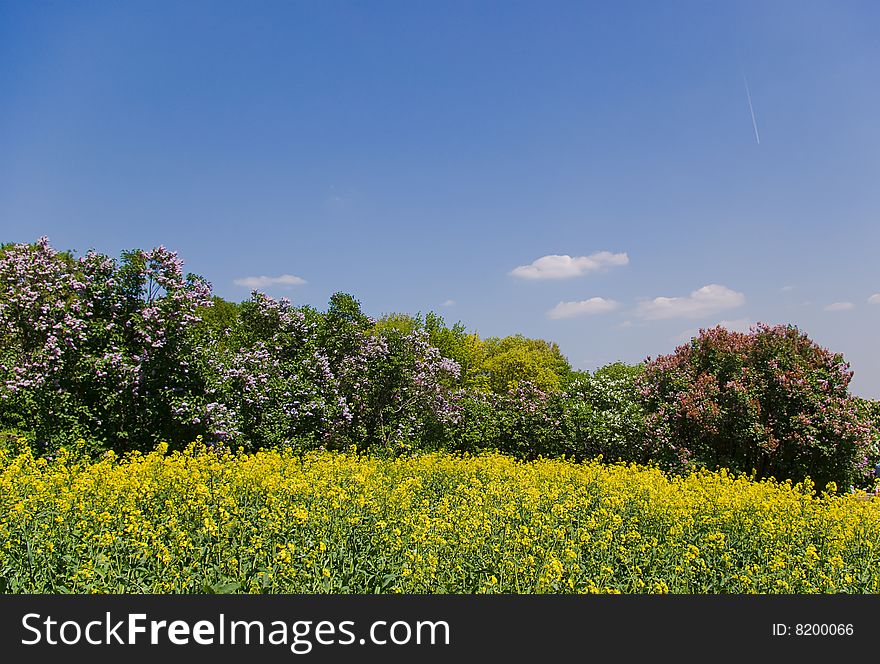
(603,415)
(269,383)
(771,402)
(519,422)
(114,352)
(282,377)
(96,348)
(395,387)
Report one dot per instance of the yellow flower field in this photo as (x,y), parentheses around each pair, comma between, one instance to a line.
(200,521)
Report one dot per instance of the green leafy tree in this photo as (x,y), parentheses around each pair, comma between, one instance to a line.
(466,348)
(395,322)
(340,330)
(220,315)
(514,359)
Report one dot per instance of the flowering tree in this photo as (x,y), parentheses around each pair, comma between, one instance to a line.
(287,375)
(603,415)
(770,402)
(395,387)
(520,422)
(269,382)
(96,348)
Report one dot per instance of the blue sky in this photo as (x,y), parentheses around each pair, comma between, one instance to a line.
(417,154)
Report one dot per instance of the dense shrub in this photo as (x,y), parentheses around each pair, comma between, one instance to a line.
(596,415)
(494,364)
(395,385)
(295,376)
(604,415)
(96,348)
(465,348)
(523,422)
(269,383)
(770,402)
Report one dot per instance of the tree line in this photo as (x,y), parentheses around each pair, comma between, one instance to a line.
(126,353)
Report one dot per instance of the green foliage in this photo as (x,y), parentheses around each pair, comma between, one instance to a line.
(397,323)
(520,423)
(268,384)
(514,359)
(603,415)
(465,348)
(620,371)
(598,415)
(220,315)
(341,327)
(455,343)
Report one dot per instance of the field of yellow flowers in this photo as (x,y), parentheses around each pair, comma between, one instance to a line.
(203,521)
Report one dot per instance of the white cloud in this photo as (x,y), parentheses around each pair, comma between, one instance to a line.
(595,305)
(285,280)
(566,267)
(702,302)
(448,303)
(786,289)
(874,299)
(840,306)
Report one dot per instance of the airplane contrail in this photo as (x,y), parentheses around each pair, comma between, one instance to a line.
(751,110)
